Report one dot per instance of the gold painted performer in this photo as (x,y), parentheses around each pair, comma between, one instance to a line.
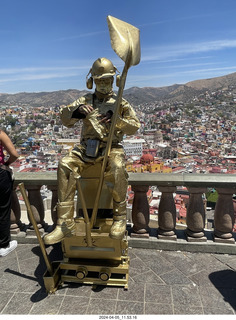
(95,110)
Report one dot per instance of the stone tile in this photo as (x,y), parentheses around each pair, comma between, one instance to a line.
(209,310)
(144,254)
(137,267)
(47,304)
(78,290)
(4,298)
(148,277)
(9,263)
(153,260)
(175,277)
(207,261)
(185,309)
(186,296)
(182,262)
(26,277)
(211,297)
(201,278)
(31,263)
(128,308)
(131,253)
(157,308)
(225,258)
(134,293)
(101,306)
(10,282)
(26,251)
(141,252)
(105,292)
(30,286)
(232,264)
(74,305)
(158,293)
(174,256)
(19,304)
(159,265)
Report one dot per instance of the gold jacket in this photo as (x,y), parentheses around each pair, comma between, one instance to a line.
(127,122)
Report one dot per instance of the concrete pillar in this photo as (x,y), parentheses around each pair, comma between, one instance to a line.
(16,224)
(53,188)
(36,202)
(167,214)
(140,212)
(224,216)
(196,215)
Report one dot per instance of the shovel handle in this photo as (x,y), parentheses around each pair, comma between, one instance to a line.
(32,220)
(111,133)
(86,216)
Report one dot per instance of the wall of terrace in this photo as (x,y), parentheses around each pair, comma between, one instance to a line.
(165,231)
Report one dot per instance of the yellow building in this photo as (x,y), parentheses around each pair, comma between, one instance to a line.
(166,169)
(155,167)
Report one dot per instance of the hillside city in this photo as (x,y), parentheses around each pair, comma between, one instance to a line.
(198,136)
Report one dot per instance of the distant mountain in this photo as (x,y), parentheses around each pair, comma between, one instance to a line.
(135,95)
(42,98)
(179,92)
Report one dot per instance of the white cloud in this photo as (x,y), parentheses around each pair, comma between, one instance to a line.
(183,49)
(152,23)
(174,77)
(82,35)
(38,69)
(43,76)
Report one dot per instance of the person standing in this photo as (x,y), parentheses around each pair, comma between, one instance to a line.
(95,110)
(6,187)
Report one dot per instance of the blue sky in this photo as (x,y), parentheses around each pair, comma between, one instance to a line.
(49,45)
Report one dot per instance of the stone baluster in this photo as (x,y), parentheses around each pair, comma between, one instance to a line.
(36,202)
(224,216)
(195,219)
(140,212)
(167,214)
(16,224)
(53,188)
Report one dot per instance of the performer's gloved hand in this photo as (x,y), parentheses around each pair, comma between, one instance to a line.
(107,117)
(82,111)
(85,109)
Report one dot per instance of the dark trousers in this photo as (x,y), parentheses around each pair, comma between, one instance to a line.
(6,185)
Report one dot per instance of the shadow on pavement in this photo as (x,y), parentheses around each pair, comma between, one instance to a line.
(225,282)
(54,255)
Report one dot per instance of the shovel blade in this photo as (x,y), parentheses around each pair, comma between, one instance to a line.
(124,38)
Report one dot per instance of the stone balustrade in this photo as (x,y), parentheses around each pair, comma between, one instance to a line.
(196,184)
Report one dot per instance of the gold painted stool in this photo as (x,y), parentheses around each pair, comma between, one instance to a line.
(106,261)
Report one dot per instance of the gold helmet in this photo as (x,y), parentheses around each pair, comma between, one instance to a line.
(101,68)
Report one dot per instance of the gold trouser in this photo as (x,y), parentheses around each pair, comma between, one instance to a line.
(71,167)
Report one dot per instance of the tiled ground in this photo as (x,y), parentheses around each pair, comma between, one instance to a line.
(161,282)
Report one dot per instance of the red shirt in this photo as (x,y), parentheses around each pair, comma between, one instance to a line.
(1,155)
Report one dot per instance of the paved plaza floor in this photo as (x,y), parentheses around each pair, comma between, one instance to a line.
(160,283)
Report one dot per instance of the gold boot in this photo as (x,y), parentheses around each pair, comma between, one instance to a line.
(118,227)
(65,223)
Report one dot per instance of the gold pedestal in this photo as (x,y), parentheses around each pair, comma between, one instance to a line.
(106,262)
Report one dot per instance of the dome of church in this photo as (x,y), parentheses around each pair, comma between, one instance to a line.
(146,158)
